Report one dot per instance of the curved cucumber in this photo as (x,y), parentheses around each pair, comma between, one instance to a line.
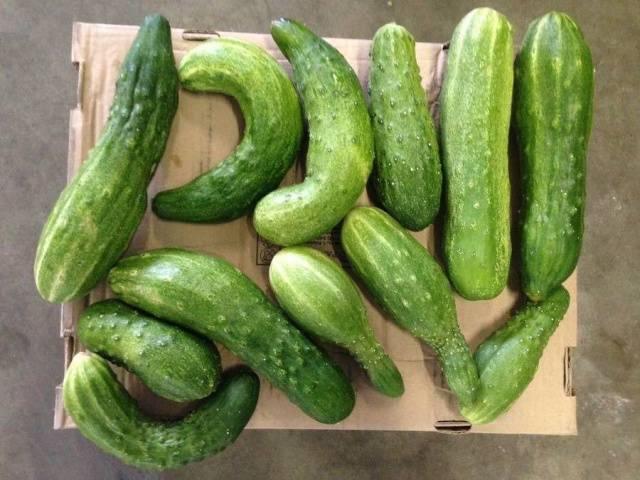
(107,415)
(407,176)
(340,149)
(508,359)
(412,288)
(213,298)
(474,116)
(97,214)
(273,129)
(322,299)
(553,106)
(173,363)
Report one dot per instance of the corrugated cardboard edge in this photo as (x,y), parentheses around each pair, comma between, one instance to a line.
(69,311)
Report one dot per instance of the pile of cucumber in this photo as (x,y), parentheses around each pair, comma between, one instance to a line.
(173,305)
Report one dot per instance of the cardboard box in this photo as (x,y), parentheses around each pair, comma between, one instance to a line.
(205,131)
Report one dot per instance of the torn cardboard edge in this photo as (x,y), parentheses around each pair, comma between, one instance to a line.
(529,414)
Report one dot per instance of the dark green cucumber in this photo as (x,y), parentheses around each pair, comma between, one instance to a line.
(213,298)
(553,106)
(97,214)
(106,414)
(340,149)
(273,130)
(173,363)
(412,288)
(475,114)
(322,299)
(407,176)
(508,359)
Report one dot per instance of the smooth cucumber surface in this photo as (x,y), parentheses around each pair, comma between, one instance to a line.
(106,414)
(321,298)
(407,175)
(172,362)
(410,286)
(272,134)
(340,151)
(507,361)
(97,214)
(553,107)
(213,298)
(474,126)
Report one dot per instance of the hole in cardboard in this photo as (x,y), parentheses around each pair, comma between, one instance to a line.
(199,35)
(455,427)
(569,391)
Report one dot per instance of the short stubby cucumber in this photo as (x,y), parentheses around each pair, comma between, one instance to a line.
(172,362)
(410,286)
(213,298)
(553,106)
(272,134)
(340,151)
(475,113)
(322,299)
(106,414)
(407,175)
(97,214)
(507,361)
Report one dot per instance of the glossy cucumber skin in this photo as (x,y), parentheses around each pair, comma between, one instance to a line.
(321,298)
(412,289)
(507,361)
(97,214)
(553,106)
(172,362)
(407,175)
(273,130)
(475,115)
(213,298)
(107,415)
(340,152)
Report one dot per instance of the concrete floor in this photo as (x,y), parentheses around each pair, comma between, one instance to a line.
(37,88)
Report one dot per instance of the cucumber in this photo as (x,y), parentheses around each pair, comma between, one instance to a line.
(321,298)
(475,114)
(340,150)
(107,415)
(213,298)
(273,130)
(407,176)
(412,289)
(95,217)
(173,363)
(553,111)
(507,361)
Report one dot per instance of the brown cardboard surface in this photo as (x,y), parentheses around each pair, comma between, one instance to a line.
(205,131)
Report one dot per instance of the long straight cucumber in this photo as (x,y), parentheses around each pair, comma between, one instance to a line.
(212,297)
(407,176)
(475,115)
(553,105)
(273,130)
(340,150)
(412,288)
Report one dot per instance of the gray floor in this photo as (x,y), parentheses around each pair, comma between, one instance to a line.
(37,87)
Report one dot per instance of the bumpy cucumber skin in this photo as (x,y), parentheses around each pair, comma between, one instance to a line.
(95,217)
(475,116)
(507,361)
(407,175)
(321,298)
(412,288)
(340,153)
(273,130)
(213,298)
(553,106)
(172,362)
(107,415)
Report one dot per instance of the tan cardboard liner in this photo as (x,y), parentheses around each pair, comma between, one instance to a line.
(205,131)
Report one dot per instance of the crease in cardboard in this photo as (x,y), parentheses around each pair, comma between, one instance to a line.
(427,404)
